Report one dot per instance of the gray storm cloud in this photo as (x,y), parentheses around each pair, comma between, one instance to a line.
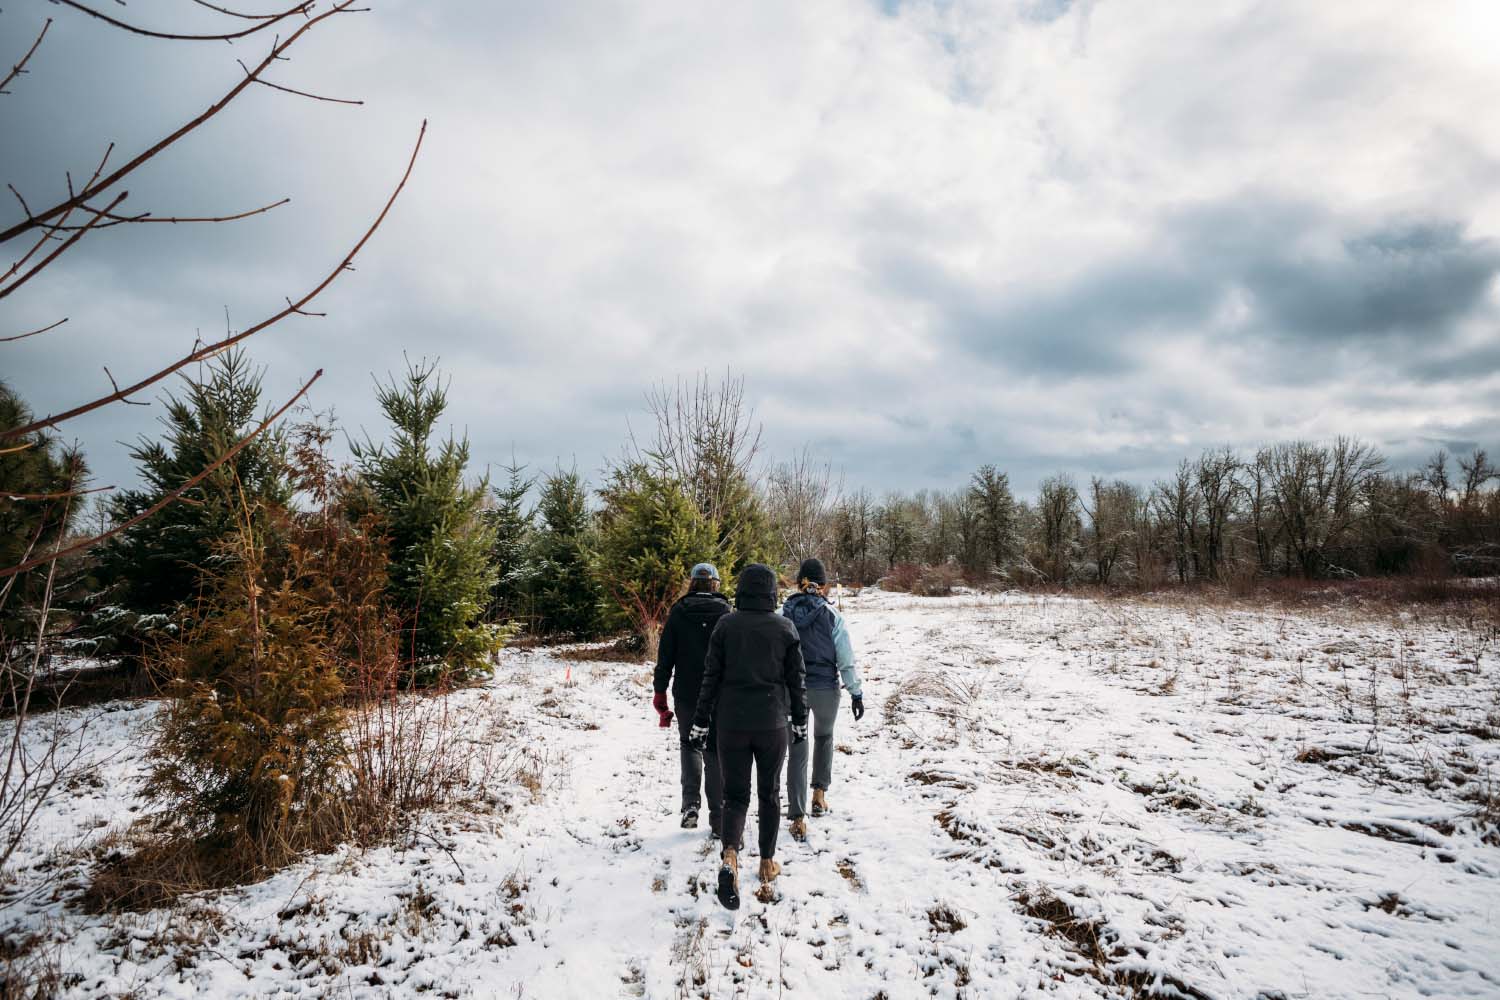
(1045,234)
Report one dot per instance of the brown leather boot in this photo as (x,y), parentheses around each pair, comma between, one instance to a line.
(798,829)
(769,869)
(819,803)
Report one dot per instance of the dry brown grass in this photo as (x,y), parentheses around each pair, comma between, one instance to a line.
(30,967)
(403,756)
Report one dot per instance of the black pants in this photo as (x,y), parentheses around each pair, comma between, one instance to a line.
(699,770)
(738,750)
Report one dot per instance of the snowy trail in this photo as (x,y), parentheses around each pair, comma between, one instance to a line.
(1047,797)
(636,892)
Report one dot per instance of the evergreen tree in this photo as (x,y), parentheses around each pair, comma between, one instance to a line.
(36,476)
(650,534)
(151,569)
(512,524)
(744,533)
(247,750)
(441,549)
(565,596)
(995,510)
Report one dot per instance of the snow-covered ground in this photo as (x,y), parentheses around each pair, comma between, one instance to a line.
(1048,796)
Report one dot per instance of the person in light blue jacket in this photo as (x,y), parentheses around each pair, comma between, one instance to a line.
(829,656)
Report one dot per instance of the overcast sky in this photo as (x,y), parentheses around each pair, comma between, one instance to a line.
(1081,235)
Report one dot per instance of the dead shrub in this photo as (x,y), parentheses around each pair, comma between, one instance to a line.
(935,692)
(902,577)
(944,919)
(626,649)
(30,967)
(938,581)
(1040,903)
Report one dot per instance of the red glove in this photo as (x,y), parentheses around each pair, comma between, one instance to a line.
(659,702)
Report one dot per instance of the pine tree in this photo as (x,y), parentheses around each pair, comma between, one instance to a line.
(565,595)
(36,476)
(441,558)
(650,534)
(995,511)
(151,569)
(512,524)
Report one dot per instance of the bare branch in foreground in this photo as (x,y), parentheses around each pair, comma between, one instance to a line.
(33,333)
(20,67)
(175,494)
(261,24)
(209,350)
(292,90)
(39,219)
(78,235)
(119,220)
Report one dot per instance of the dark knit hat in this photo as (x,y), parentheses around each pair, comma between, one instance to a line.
(812,569)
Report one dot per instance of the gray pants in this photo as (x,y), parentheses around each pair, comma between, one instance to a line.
(823,707)
(700,770)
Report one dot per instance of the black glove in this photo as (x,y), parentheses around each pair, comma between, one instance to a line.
(698,737)
(799,733)
(857,706)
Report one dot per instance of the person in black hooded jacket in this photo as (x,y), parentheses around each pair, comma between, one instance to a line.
(679,662)
(753,682)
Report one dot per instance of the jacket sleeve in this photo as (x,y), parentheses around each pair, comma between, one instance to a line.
(795,674)
(713,676)
(845,650)
(666,654)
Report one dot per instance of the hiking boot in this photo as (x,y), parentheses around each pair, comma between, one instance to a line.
(690,819)
(819,803)
(769,869)
(798,829)
(729,880)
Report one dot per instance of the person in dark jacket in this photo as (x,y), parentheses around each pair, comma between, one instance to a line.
(753,683)
(679,662)
(829,656)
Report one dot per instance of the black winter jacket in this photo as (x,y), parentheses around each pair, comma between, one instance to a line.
(684,645)
(753,677)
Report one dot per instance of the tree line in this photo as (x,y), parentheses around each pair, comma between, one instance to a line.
(470,560)
(1300,508)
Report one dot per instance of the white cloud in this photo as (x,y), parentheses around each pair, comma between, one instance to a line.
(839,202)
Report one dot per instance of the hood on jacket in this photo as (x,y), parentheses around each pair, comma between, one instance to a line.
(755,590)
(803,608)
(701,601)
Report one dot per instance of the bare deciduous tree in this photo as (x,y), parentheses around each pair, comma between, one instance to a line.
(1219,488)
(1110,510)
(1318,489)
(1057,519)
(801,495)
(1176,504)
(707,438)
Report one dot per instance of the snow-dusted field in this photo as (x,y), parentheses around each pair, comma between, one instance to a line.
(1048,796)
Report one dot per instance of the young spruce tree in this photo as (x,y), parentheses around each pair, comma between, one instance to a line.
(36,476)
(650,533)
(441,549)
(150,570)
(565,595)
(512,524)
